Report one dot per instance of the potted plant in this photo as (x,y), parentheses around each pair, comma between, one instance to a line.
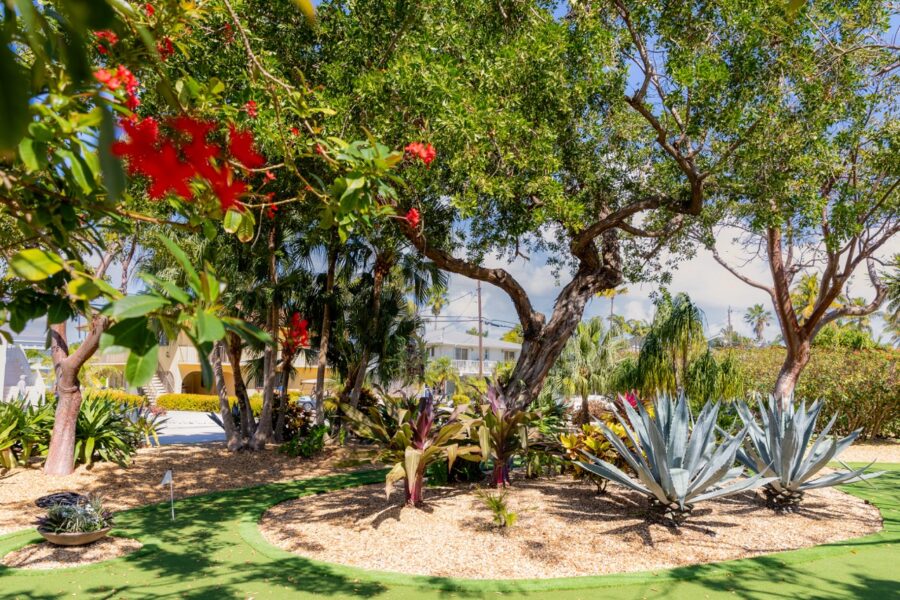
(77,523)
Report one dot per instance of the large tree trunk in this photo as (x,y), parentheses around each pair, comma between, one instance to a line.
(61,453)
(234,347)
(795,361)
(233,439)
(263,433)
(325,337)
(284,398)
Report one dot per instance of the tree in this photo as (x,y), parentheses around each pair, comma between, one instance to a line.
(586,364)
(821,201)
(611,294)
(543,143)
(474,331)
(514,335)
(440,371)
(757,317)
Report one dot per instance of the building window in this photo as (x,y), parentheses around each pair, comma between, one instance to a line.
(487,354)
(509,355)
(432,351)
(461,353)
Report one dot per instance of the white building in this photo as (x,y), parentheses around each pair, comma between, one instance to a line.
(462,350)
(17,378)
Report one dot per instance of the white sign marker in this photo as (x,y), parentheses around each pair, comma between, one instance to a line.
(167,478)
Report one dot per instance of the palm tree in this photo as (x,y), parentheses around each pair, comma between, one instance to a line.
(611,293)
(758,318)
(587,363)
(440,371)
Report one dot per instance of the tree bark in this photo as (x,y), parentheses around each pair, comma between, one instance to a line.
(233,439)
(383,264)
(61,453)
(263,433)
(795,361)
(234,347)
(284,398)
(325,337)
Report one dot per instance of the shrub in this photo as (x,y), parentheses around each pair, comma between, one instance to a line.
(202,402)
(117,396)
(677,460)
(82,516)
(306,444)
(24,431)
(780,449)
(103,431)
(496,503)
(860,386)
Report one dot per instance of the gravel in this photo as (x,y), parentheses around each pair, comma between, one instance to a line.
(564,530)
(48,556)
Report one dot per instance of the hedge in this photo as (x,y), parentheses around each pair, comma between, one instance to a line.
(862,386)
(202,402)
(119,396)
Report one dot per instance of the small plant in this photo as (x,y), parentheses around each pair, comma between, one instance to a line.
(82,516)
(147,421)
(306,445)
(780,449)
(497,504)
(104,431)
(678,462)
(502,432)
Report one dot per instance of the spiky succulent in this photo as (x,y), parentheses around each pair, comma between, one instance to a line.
(678,462)
(780,448)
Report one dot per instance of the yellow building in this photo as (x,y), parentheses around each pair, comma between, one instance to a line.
(179,371)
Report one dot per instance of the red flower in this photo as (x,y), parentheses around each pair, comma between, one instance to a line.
(630,397)
(424,152)
(270,176)
(413,217)
(295,131)
(198,151)
(297,334)
(228,189)
(141,146)
(106,78)
(320,149)
(251,109)
(271,210)
(122,78)
(240,145)
(107,39)
(229,33)
(149,10)
(165,48)
(168,173)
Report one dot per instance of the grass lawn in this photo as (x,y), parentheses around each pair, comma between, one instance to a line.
(214,550)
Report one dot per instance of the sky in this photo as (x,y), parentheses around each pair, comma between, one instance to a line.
(709,285)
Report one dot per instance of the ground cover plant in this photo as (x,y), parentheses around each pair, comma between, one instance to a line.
(677,461)
(82,516)
(779,449)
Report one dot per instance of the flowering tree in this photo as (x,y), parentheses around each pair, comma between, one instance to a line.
(90,94)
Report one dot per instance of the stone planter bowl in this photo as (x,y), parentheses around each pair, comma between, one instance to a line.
(74,539)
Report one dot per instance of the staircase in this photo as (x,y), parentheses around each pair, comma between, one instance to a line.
(154,389)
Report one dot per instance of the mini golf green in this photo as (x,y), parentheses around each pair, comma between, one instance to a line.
(214,550)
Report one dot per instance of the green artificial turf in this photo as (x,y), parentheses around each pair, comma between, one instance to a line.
(214,550)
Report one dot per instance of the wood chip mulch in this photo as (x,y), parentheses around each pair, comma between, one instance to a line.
(197,468)
(564,530)
(49,556)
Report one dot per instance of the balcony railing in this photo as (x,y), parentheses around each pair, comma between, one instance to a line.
(470,367)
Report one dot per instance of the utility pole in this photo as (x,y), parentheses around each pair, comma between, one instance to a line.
(480,336)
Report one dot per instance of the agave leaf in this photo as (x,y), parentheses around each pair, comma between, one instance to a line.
(840,477)
(394,475)
(678,434)
(611,472)
(735,488)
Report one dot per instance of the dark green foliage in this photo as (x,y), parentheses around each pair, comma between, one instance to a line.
(306,444)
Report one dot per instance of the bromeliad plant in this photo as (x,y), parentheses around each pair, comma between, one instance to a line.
(678,461)
(410,438)
(780,449)
(502,430)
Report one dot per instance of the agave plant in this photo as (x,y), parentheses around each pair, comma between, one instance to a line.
(780,449)
(678,462)
(502,431)
(410,438)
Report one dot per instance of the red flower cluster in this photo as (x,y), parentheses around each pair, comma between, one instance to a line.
(107,39)
(425,152)
(413,217)
(630,397)
(149,10)
(165,48)
(251,109)
(121,78)
(297,334)
(171,163)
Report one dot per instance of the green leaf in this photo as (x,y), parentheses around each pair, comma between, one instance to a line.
(137,306)
(245,230)
(28,155)
(140,367)
(131,334)
(232,221)
(35,264)
(110,166)
(13,96)
(209,327)
(182,259)
(83,288)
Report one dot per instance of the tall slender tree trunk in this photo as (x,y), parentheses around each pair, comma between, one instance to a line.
(284,398)
(795,361)
(61,453)
(382,267)
(325,337)
(233,439)
(234,347)
(264,429)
